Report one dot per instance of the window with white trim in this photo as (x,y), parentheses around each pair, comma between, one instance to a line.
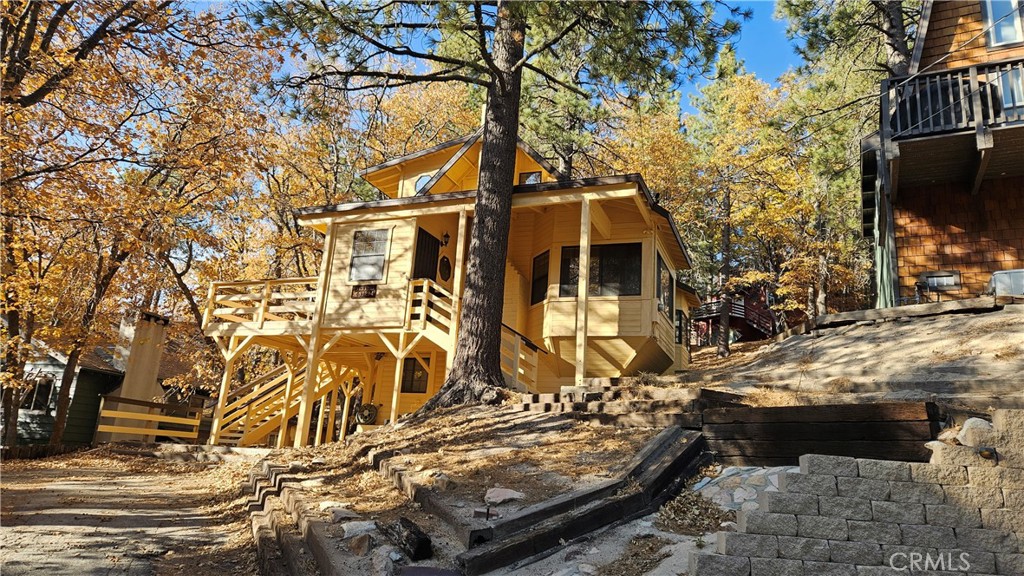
(369,255)
(666,288)
(1003,21)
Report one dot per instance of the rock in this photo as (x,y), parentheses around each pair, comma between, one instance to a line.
(360,545)
(319,462)
(586,569)
(339,514)
(948,434)
(312,483)
(704,482)
(728,527)
(972,423)
(443,482)
(497,496)
(328,504)
(296,466)
(352,529)
(383,561)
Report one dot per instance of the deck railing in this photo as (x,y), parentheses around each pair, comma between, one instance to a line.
(758,318)
(519,358)
(149,419)
(429,304)
(953,100)
(257,302)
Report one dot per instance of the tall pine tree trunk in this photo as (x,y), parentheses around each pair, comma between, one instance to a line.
(726,297)
(476,369)
(898,53)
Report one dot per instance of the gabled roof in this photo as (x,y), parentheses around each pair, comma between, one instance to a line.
(922,31)
(418,154)
(526,148)
(380,175)
(451,162)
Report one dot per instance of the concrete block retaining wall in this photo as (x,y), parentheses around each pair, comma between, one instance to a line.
(960,513)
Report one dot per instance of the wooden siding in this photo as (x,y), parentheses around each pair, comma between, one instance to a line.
(944,227)
(388,308)
(955,24)
(407,402)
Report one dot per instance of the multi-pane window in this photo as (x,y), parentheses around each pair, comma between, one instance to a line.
(414,376)
(369,255)
(1003,21)
(539,278)
(666,288)
(615,270)
(38,398)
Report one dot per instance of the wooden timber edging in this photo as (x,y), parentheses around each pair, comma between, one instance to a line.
(776,436)
(658,470)
(266,480)
(966,305)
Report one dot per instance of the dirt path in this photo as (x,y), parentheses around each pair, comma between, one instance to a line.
(122,516)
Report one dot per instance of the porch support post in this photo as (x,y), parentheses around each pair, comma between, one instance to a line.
(582,289)
(457,281)
(231,351)
(399,360)
(348,390)
(282,433)
(309,384)
(311,381)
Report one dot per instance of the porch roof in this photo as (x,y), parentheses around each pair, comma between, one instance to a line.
(309,214)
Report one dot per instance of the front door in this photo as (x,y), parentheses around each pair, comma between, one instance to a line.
(427,249)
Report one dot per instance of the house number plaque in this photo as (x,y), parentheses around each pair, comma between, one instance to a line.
(364,291)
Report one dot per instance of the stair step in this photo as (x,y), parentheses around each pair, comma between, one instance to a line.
(641,419)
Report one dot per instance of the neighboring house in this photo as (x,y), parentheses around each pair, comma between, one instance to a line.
(749,318)
(385,306)
(101,371)
(98,373)
(943,180)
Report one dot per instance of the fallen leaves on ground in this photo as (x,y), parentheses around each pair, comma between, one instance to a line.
(691,514)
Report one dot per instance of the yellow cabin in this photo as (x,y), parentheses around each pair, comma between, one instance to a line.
(380,320)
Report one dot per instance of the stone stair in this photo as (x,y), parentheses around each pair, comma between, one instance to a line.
(960,513)
(626,404)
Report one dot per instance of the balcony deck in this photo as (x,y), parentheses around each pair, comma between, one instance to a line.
(964,124)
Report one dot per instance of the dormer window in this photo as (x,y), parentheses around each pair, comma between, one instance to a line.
(1003,21)
(529,178)
(422,181)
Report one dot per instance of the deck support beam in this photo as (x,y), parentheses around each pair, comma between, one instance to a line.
(582,292)
(349,389)
(599,218)
(400,352)
(282,434)
(314,350)
(231,351)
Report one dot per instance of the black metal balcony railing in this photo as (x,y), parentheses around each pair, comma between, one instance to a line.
(952,100)
(754,316)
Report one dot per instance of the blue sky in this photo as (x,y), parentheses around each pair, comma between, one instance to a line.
(763,44)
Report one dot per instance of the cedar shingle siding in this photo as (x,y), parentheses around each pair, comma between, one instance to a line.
(944,227)
(955,24)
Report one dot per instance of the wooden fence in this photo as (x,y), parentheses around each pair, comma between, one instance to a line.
(180,421)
